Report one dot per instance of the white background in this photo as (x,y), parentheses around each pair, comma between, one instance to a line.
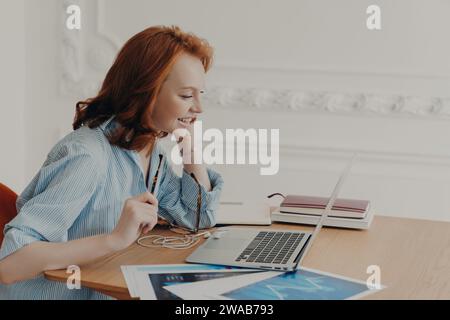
(383,93)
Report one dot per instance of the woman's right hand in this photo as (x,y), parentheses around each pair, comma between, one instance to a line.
(139,215)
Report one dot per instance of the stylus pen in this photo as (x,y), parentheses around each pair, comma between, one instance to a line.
(156,177)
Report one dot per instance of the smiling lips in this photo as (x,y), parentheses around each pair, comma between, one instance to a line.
(187,120)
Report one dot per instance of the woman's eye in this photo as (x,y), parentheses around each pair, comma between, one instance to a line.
(186,97)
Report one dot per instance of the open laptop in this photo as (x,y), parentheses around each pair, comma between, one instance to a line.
(281,250)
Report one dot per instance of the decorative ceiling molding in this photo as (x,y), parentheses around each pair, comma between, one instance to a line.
(330,102)
(86,57)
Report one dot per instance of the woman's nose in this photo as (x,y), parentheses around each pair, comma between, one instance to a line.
(197,107)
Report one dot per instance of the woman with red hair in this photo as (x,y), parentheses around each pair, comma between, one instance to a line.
(92,195)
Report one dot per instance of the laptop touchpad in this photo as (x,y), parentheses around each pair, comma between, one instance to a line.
(224,244)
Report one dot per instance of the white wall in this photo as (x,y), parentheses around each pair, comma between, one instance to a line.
(48,114)
(309,68)
(12,93)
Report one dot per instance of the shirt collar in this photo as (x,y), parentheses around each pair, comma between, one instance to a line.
(110,124)
(106,125)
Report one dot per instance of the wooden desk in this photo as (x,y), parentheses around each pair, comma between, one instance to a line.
(414,257)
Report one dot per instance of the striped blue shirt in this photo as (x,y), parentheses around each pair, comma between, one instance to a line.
(80,192)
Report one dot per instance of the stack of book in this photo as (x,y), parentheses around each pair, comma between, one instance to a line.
(346,213)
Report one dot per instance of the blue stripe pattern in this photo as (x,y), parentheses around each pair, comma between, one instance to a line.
(80,191)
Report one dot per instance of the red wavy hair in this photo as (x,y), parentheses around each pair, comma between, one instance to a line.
(132,85)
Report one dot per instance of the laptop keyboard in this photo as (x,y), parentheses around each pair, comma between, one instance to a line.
(271,247)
